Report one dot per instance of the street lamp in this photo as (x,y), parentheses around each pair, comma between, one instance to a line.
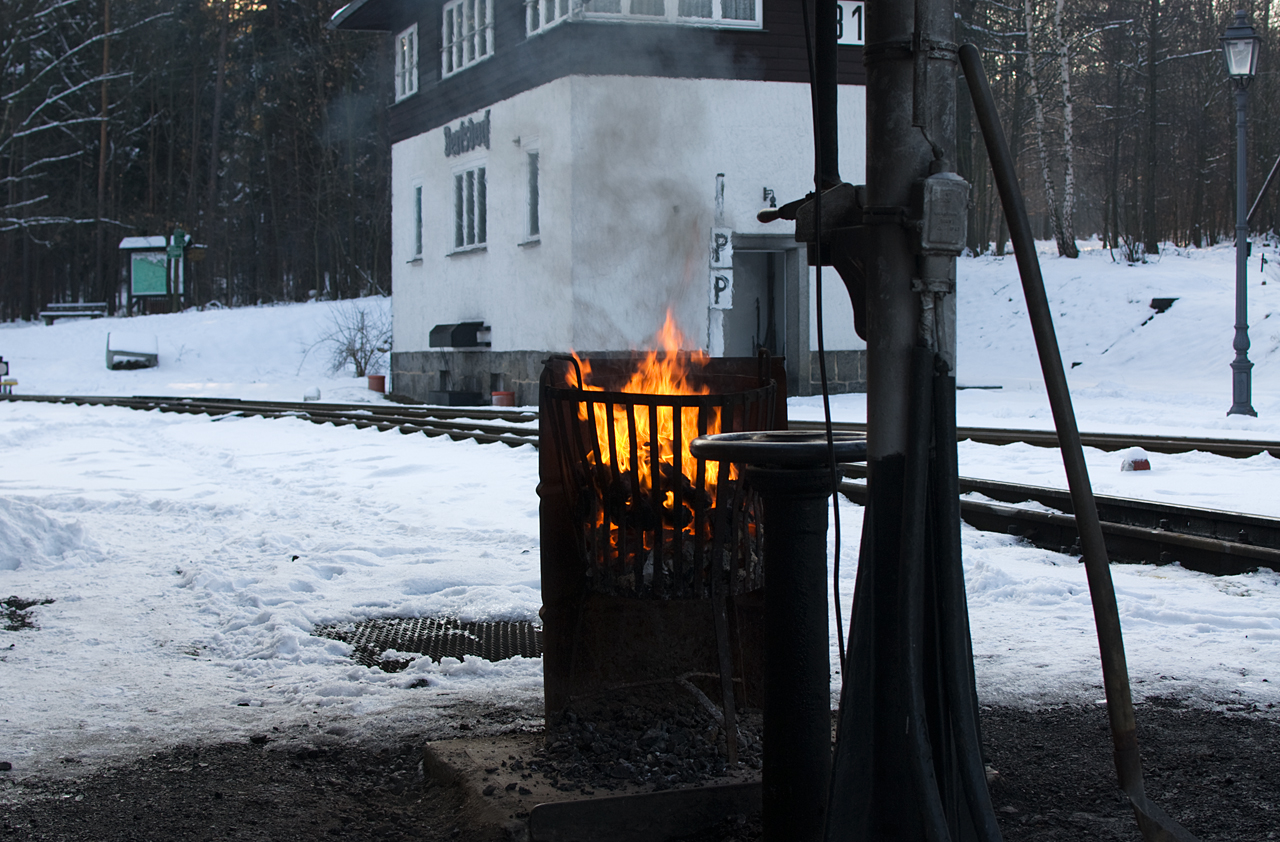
(1240,49)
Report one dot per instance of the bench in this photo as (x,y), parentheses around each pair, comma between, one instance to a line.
(132,350)
(93,310)
(6,386)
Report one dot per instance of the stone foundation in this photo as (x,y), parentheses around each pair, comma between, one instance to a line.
(417,374)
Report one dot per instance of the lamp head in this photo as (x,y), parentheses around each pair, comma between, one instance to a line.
(1240,48)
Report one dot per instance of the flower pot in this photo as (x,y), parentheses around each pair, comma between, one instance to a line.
(504,398)
(377,383)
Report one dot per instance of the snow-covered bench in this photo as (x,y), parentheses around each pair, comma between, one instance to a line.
(133,350)
(92,310)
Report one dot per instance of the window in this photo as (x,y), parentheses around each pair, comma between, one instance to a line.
(719,13)
(469,209)
(407,62)
(467,34)
(543,14)
(417,222)
(534,227)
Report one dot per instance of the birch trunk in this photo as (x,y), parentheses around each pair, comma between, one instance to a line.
(1037,102)
(1066,229)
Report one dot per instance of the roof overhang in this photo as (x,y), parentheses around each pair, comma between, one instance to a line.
(379,15)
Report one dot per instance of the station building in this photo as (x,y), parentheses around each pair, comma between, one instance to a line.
(565,172)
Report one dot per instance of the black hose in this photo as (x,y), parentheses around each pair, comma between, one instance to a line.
(911,562)
(955,643)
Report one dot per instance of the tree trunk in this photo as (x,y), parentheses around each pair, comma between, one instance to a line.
(1066,229)
(1037,102)
(1150,233)
(212,197)
(99,246)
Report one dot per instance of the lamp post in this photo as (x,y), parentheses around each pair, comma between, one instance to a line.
(1240,49)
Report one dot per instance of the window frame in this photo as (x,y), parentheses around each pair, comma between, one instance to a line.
(535,14)
(460,47)
(418,230)
(470,206)
(406,72)
(671,14)
(533,194)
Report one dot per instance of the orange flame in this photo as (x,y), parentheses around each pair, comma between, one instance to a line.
(658,373)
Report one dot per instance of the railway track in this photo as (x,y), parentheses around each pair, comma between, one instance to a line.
(488,426)
(1234,448)
(1217,542)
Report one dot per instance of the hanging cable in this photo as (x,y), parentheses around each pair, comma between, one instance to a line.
(822,350)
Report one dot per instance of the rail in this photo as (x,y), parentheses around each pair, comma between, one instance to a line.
(1217,542)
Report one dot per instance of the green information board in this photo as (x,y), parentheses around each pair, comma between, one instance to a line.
(147,273)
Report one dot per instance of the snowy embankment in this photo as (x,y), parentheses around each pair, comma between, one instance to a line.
(188,559)
(266,353)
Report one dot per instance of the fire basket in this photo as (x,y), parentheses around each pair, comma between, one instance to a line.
(652,560)
(652,520)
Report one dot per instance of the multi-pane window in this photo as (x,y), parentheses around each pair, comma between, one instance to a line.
(541,14)
(534,226)
(745,13)
(417,222)
(407,62)
(466,34)
(469,209)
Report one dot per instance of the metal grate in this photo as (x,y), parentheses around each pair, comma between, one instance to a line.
(436,638)
(666,535)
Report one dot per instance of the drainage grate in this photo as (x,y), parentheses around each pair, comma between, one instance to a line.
(435,638)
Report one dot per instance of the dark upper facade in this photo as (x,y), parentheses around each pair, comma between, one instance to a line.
(516,59)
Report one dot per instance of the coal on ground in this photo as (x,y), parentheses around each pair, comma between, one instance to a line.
(1217,772)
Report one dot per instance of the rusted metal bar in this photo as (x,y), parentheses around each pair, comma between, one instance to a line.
(1154,823)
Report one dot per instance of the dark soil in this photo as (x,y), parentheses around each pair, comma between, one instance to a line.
(246,792)
(15,612)
(1216,772)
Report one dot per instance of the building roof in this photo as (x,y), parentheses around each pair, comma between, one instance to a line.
(380,15)
(156,242)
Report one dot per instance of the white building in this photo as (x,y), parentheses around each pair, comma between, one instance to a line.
(566,171)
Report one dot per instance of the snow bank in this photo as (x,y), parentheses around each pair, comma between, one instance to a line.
(271,352)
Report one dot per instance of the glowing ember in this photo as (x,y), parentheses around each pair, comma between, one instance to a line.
(664,372)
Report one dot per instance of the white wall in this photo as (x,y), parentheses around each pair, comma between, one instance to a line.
(628,173)
(513,287)
(837,313)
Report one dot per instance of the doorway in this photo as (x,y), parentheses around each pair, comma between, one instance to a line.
(759,315)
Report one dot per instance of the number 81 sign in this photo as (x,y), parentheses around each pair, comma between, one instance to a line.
(849,22)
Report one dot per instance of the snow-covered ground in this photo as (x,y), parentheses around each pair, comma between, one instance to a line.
(188,559)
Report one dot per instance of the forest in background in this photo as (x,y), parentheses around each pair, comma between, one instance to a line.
(263,134)
(246,122)
(1122,119)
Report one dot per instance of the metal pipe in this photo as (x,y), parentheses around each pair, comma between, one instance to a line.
(1115,672)
(827,89)
(1241,367)
(1266,185)
(797,712)
(793,477)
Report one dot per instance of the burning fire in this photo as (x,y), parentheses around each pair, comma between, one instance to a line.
(665,372)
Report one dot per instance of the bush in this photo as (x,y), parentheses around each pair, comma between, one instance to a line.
(360,335)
